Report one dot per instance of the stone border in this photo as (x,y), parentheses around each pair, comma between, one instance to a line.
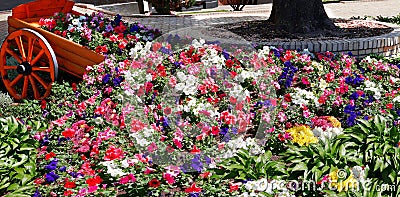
(387,44)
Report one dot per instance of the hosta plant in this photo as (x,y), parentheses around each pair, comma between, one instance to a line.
(378,146)
(17,158)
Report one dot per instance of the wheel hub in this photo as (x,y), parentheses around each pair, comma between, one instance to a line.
(24,68)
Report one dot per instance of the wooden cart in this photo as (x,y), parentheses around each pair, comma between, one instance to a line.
(31,56)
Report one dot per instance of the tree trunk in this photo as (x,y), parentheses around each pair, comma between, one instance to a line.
(300,16)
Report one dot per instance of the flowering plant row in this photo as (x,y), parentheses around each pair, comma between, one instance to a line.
(99,33)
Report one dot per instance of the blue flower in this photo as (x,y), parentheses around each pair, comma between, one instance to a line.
(134,28)
(51,177)
(106,78)
(37,194)
(223,130)
(354,96)
(117,81)
(52,165)
(63,169)
(192,194)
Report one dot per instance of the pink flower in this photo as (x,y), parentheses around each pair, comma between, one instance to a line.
(281,116)
(169,178)
(93,188)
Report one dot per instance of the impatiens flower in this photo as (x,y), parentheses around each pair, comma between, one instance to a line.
(154,183)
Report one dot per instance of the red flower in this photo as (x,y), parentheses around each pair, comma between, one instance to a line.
(205,175)
(389,106)
(229,63)
(195,150)
(43,104)
(68,133)
(193,189)
(74,87)
(154,183)
(234,187)
(50,155)
(287,97)
(69,184)
(68,193)
(94,181)
(214,130)
(113,153)
(305,81)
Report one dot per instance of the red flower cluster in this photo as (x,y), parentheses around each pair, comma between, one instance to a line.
(113,153)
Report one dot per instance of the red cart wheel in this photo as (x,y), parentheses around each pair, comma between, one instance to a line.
(28,65)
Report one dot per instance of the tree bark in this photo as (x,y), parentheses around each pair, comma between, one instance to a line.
(300,16)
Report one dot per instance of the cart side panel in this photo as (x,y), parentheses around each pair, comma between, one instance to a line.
(42,8)
(72,57)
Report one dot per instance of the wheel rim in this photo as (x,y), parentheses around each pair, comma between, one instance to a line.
(28,65)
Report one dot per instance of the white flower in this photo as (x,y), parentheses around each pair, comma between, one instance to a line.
(124,163)
(98,120)
(181,76)
(149,77)
(179,86)
(322,84)
(197,44)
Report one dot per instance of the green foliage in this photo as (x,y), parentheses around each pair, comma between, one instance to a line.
(394,19)
(311,163)
(245,166)
(17,158)
(377,142)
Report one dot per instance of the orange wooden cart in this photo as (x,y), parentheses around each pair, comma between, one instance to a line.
(31,56)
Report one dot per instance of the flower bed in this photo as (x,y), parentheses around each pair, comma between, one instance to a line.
(199,121)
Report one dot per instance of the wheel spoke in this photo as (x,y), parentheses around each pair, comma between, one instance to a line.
(31,43)
(16,79)
(34,87)
(25,88)
(43,83)
(39,55)
(10,67)
(14,55)
(18,40)
(44,69)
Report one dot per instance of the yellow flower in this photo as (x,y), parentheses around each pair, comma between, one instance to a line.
(302,135)
(335,122)
(349,183)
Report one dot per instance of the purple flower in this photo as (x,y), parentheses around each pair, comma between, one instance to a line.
(52,165)
(196,163)
(51,177)
(109,28)
(63,169)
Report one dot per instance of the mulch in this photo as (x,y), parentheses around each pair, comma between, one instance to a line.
(264,31)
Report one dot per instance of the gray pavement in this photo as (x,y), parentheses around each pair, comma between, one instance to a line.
(345,9)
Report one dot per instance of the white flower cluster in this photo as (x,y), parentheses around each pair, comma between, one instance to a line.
(144,137)
(198,43)
(264,52)
(371,86)
(302,97)
(195,105)
(113,169)
(234,145)
(188,84)
(211,58)
(328,134)
(239,93)
(244,74)
(139,50)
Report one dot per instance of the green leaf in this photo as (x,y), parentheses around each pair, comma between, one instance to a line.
(13,187)
(300,167)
